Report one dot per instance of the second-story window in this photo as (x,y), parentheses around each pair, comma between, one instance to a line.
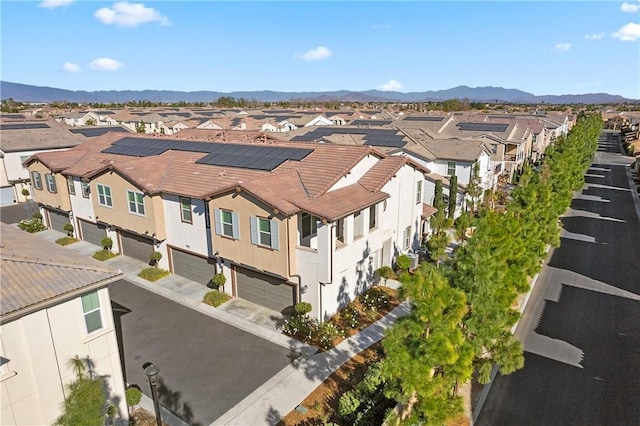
(308,225)
(264,232)
(185,210)
(136,202)
(86,189)
(51,183)
(406,238)
(419,192)
(451,168)
(36,179)
(372,217)
(71,185)
(104,196)
(226,223)
(91,310)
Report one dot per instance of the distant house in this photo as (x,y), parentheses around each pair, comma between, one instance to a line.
(54,306)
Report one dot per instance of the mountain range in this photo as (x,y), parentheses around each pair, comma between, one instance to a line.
(29,93)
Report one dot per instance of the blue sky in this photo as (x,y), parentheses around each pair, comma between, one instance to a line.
(552,47)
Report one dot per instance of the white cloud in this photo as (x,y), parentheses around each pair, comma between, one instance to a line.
(381,26)
(596,36)
(105,64)
(125,14)
(51,4)
(70,67)
(563,47)
(316,54)
(629,32)
(630,8)
(391,85)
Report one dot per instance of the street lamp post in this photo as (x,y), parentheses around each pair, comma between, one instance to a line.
(152,373)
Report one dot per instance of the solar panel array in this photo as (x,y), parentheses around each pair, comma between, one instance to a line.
(23,126)
(372,137)
(370,122)
(256,157)
(13,116)
(483,127)
(91,132)
(423,118)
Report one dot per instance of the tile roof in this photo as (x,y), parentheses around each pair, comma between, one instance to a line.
(428,211)
(57,136)
(36,272)
(342,202)
(381,172)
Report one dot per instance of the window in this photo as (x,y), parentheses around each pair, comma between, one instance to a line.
(51,183)
(24,158)
(264,232)
(372,217)
(86,189)
(419,192)
(136,202)
(308,225)
(406,238)
(91,309)
(226,223)
(340,230)
(104,196)
(185,210)
(36,179)
(70,184)
(451,168)
(357,224)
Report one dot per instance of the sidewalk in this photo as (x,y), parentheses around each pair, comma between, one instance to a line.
(272,401)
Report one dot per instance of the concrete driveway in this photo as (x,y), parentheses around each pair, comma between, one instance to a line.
(12,213)
(206,366)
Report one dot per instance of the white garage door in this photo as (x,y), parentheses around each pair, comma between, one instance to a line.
(6,195)
(196,268)
(136,246)
(264,290)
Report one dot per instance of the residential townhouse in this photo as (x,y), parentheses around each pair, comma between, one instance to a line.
(285,222)
(20,140)
(55,306)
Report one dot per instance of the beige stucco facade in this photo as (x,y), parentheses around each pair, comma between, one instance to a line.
(152,222)
(59,199)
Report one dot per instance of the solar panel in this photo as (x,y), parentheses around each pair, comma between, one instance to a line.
(370,122)
(483,127)
(91,132)
(256,157)
(13,116)
(417,118)
(23,126)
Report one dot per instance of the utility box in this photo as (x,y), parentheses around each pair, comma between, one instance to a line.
(415,260)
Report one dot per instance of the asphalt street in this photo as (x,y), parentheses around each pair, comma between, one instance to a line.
(206,366)
(12,213)
(581,328)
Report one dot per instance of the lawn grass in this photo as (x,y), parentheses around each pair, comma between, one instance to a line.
(65,241)
(215,298)
(103,255)
(153,274)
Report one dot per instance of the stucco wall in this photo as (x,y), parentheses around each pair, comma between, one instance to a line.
(60,199)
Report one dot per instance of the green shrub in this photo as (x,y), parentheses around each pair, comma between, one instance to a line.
(65,241)
(68,228)
(219,279)
(37,215)
(351,316)
(348,404)
(300,326)
(155,257)
(32,225)
(403,262)
(215,298)
(103,255)
(374,299)
(325,333)
(302,308)
(25,192)
(107,243)
(153,274)
(386,272)
(133,395)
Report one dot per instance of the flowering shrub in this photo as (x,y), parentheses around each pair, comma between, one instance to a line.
(32,225)
(300,326)
(374,298)
(325,333)
(351,316)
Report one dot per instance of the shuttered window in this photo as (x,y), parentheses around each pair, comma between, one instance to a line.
(226,223)
(264,232)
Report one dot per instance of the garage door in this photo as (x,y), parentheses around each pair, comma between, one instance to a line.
(58,220)
(92,232)
(6,195)
(264,290)
(191,266)
(136,246)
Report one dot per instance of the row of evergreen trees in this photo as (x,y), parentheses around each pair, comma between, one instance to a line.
(463,309)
